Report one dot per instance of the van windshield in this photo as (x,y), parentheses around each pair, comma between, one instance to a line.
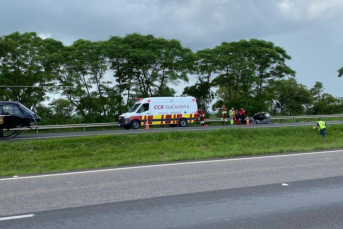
(134,107)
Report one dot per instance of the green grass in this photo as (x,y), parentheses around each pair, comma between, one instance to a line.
(42,156)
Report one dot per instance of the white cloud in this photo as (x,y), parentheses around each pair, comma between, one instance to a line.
(310,9)
(44,35)
(325,9)
(289,9)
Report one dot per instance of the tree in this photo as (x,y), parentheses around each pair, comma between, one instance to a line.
(270,64)
(46,114)
(247,69)
(118,56)
(28,66)
(83,79)
(202,65)
(62,110)
(290,96)
(200,92)
(145,66)
(236,73)
(327,104)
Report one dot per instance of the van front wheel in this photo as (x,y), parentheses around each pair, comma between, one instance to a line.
(135,124)
(183,122)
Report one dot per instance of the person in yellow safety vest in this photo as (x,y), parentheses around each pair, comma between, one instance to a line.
(322,127)
(224,115)
(202,118)
(231,115)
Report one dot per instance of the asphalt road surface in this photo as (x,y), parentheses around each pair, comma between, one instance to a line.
(141,130)
(301,190)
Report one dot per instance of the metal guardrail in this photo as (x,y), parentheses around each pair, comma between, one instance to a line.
(115,124)
(82,125)
(71,126)
(292,117)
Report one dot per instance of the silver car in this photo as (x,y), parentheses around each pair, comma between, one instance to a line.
(261,118)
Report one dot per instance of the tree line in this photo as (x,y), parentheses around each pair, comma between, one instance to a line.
(99,80)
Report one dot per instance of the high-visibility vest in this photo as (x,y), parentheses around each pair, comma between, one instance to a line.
(321,124)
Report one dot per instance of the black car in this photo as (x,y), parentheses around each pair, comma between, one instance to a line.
(15,115)
(261,118)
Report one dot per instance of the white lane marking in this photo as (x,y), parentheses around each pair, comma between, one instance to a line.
(16,217)
(173,164)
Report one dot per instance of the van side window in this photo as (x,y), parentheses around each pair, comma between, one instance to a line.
(145,107)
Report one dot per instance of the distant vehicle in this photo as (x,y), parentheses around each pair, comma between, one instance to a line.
(160,111)
(15,115)
(261,118)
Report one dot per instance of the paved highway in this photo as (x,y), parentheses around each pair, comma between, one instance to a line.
(300,190)
(141,130)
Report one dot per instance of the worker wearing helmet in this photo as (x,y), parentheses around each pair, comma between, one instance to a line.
(224,115)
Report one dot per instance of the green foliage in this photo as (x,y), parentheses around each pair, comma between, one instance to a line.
(340,72)
(203,66)
(59,111)
(145,66)
(290,96)
(327,104)
(202,93)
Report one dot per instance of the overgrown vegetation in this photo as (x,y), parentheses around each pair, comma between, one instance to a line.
(42,156)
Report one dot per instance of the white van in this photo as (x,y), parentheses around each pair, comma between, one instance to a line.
(160,111)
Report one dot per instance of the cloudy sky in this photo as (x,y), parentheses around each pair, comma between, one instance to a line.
(311,31)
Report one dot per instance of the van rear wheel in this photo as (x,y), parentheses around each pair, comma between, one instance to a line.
(183,122)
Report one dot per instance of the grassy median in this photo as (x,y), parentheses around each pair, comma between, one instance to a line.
(42,156)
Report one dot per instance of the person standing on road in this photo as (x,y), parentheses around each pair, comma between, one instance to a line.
(322,127)
(237,117)
(231,115)
(242,115)
(224,115)
(202,118)
(234,116)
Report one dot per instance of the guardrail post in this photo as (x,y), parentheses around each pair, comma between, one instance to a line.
(293,119)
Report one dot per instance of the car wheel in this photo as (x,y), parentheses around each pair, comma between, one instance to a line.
(135,124)
(183,122)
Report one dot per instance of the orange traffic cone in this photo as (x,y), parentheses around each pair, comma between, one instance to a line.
(147,125)
(248,122)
